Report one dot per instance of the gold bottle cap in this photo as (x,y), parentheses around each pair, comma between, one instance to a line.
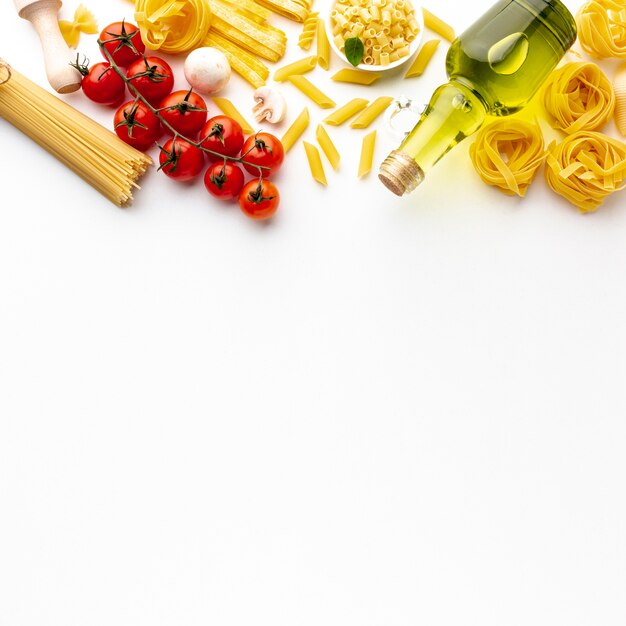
(400,173)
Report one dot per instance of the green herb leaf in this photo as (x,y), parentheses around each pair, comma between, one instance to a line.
(354,50)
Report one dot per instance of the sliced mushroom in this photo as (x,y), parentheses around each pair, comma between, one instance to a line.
(270,105)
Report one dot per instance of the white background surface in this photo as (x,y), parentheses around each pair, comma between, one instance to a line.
(370,411)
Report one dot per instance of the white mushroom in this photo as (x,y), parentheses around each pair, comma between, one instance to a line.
(270,105)
(207,70)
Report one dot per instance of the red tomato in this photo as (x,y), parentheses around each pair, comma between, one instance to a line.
(224,180)
(137,125)
(185,112)
(152,77)
(181,160)
(265,150)
(223,135)
(123,42)
(259,199)
(103,84)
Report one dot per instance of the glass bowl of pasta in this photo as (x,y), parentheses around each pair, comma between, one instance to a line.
(390,31)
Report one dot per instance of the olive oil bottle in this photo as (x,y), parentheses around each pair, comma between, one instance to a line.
(494,68)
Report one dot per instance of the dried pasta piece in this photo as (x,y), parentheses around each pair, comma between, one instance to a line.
(228,108)
(345,112)
(328,147)
(309,30)
(366,117)
(291,9)
(312,92)
(602,28)
(422,59)
(507,154)
(578,96)
(84,22)
(302,66)
(315,163)
(619,87)
(323,47)
(367,154)
(355,77)
(294,132)
(438,26)
(585,168)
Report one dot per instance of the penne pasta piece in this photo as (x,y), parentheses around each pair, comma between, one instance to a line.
(315,163)
(422,59)
(298,67)
(228,108)
(344,113)
(356,77)
(367,116)
(367,154)
(323,47)
(438,25)
(328,147)
(294,132)
(311,91)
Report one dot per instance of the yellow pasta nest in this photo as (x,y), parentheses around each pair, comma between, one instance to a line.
(173,27)
(602,28)
(578,96)
(619,86)
(507,155)
(585,168)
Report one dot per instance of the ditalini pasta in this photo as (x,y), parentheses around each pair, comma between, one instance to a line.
(356,77)
(366,117)
(323,47)
(585,168)
(367,154)
(309,30)
(602,28)
(228,108)
(91,151)
(315,163)
(619,87)
(345,112)
(437,25)
(301,66)
(422,59)
(328,147)
(312,92)
(578,96)
(294,132)
(507,154)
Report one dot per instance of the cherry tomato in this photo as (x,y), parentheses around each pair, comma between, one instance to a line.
(185,112)
(263,149)
(223,135)
(224,180)
(259,199)
(152,77)
(123,42)
(137,125)
(181,160)
(103,84)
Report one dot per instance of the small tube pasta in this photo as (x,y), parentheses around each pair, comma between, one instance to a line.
(294,132)
(228,108)
(315,163)
(312,92)
(298,67)
(422,59)
(438,25)
(323,47)
(344,113)
(367,154)
(328,147)
(367,116)
(356,77)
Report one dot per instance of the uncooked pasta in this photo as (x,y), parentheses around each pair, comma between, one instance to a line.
(91,151)
(619,87)
(602,28)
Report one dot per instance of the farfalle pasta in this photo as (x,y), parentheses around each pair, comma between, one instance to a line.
(602,28)
(507,155)
(578,96)
(84,22)
(585,168)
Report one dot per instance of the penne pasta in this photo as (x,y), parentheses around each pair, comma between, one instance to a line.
(315,163)
(298,67)
(367,154)
(228,108)
(422,59)
(311,91)
(344,113)
(294,132)
(438,25)
(356,77)
(367,116)
(328,147)
(323,47)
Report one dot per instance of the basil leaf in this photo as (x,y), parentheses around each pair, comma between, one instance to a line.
(354,50)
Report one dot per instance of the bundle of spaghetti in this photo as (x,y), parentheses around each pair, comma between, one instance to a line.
(507,155)
(602,28)
(619,87)
(578,96)
(173,27)
(309,29)
(94,153)
(585,168)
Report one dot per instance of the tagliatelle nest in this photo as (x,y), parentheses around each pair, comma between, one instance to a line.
(507,154)
(602,28)
(578,96)
(585,168)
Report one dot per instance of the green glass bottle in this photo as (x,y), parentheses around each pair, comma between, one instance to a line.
(494,68)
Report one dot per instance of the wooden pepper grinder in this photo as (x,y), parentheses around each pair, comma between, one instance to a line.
(43,15)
